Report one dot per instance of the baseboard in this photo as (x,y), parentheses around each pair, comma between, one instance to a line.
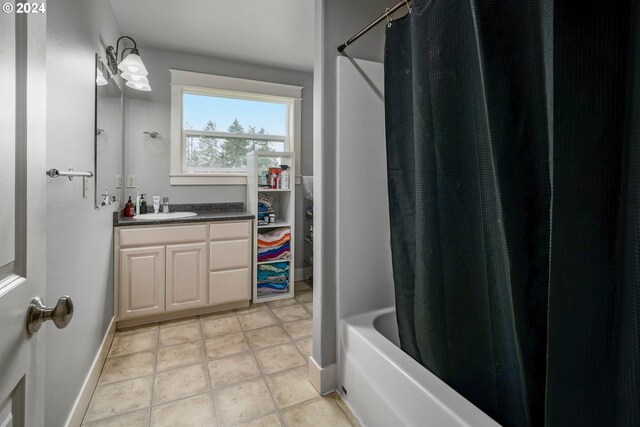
(84,397)
(173,315)
(324,379)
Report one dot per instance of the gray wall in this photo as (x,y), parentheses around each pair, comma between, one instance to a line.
(148,158)
(336,21)
(79,237)
(364,276)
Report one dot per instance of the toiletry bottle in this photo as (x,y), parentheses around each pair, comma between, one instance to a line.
(274,180)
(138,203)
(129,209)
(156,204)
(284,177)
(143,204)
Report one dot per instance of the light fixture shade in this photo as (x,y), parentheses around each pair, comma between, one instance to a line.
(136,78)
(139,86)
(100,80)
(133,64)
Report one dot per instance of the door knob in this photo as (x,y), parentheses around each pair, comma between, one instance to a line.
(38,313)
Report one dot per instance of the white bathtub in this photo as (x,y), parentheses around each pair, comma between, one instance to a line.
(385,387)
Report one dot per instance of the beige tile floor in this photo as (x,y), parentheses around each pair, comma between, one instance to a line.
(245,367)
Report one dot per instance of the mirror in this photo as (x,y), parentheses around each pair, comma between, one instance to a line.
(109,144)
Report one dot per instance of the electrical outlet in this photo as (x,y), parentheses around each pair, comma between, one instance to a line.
(85,187)
(119,181)
(131,181)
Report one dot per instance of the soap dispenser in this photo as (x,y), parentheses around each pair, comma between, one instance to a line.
(129,209)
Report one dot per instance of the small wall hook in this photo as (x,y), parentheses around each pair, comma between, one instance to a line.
(153,134)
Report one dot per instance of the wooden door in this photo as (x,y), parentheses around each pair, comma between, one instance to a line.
(22,213)
(186,276)
(142,281)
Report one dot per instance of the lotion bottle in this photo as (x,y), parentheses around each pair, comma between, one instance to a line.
(138,203)
(284,177)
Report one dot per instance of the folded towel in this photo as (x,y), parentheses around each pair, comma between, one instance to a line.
(286,245)
(267,200)
(274,249)
(277,267)
(273,280)
(273,285)
(266,292)
(265,244)
(275,235)
(283,252)
(280,257)
(272,276)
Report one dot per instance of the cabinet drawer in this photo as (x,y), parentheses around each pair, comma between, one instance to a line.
(229,286)
(229,254)
(152,235)
(232,230)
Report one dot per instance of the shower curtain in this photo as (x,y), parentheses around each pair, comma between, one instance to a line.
(513,138)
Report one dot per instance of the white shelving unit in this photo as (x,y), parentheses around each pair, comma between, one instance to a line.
(284,207)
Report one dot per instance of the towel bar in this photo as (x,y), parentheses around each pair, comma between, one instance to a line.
(54,173)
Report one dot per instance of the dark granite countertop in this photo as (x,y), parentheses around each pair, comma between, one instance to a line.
(206,212)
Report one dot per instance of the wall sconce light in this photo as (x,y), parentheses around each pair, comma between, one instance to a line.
(131,67)
(100,79)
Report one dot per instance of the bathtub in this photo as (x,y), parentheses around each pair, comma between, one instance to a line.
(385,387)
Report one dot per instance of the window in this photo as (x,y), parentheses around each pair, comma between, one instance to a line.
(218,132)
(216,121)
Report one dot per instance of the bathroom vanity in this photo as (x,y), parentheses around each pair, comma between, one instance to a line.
(181,267)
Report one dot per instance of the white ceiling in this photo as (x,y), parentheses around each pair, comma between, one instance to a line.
(276,33)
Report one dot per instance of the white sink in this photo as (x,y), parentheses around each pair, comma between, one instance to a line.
(161,216)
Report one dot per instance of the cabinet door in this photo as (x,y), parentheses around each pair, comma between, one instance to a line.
(229,286)
(186,276)
(141,281)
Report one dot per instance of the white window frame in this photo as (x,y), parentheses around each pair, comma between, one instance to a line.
(231,87)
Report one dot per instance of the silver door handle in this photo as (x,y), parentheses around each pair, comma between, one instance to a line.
(38,313)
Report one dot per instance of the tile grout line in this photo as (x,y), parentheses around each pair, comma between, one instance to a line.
(155,371)
(115,382)
(206,367)
(279,413)
(281,324)
(93,393)
(262,375)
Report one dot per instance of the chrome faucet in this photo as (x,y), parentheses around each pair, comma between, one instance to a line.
(106,200)
(165,205)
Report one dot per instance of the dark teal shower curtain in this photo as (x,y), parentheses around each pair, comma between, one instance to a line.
(513,131)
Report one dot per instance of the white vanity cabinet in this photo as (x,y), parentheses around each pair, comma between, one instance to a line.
(169,271)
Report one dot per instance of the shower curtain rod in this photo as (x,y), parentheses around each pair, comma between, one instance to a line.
(381,18)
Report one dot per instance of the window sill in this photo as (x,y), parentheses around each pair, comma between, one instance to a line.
(208,179)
